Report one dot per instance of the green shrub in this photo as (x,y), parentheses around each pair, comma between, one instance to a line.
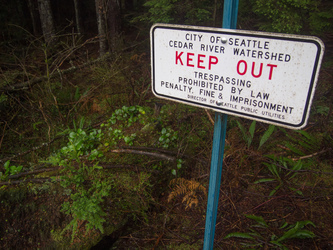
(293,16)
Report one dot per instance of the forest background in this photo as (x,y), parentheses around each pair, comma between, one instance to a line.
(89,158)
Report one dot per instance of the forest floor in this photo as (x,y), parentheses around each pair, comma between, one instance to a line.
(90,149)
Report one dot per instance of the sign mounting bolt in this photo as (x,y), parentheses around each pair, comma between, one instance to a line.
(218,103)
(224,40)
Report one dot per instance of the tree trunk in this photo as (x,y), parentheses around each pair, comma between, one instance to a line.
(78,17)
(113,22)
(46,19)
(100,13)
(215,13)
(32,12)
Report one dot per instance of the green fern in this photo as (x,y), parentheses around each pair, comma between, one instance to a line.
(266,135)
(266,237)
(188,189)
(301,142)
(248,136)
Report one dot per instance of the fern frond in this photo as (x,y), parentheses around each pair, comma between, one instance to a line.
(192,202)
(188,189)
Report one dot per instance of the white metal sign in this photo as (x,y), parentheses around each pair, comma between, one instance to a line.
(260,76)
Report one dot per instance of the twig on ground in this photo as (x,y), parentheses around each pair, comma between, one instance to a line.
(157,155)
(311,155)
(168,152)
(38,171)
(276,197)
(37,180)
(209,117)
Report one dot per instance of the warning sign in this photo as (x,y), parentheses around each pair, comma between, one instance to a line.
(260,76)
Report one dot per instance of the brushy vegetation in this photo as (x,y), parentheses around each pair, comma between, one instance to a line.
(89,155)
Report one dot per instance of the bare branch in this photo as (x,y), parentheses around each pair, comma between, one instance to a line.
(157,155)
(37,180)
(209,117)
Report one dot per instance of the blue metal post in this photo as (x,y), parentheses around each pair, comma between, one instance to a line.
(230,11)
(220,128)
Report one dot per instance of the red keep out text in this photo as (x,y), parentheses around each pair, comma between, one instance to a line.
(192,60)
(255,71)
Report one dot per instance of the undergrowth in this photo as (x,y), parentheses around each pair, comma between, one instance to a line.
(82,155)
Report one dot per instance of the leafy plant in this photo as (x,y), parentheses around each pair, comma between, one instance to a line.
(323,110)
(85,199)
(283,171)
(86,185)
(249,135)
(176,11)
(122,119)
(128,115)
(167,137)
(160,11)
(130,139)
(266,135)
(10,170)
(179,166)
(266,238)
(189,189)
(301,142)
(80,144)
(290,16)
(85,204)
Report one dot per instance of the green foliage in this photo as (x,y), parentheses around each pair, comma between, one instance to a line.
(249,135)
(301,142)
(322,110)
(260,220)
(263,235)
(266,135)
(127,115)
(296,231)
(179,166)
(176,11)
(80,144)
(160,11)
(321,19)
(167,137)
(86,185)
(284,171)
(121,120)
(291,16)
(96,197)
(9,170)
(86,202)
(3,98)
